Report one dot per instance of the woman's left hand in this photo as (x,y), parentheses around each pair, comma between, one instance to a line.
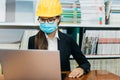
(76,73)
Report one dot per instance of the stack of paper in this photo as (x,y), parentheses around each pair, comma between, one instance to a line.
(115,13)
(71,11)
(115,5)
(92,12)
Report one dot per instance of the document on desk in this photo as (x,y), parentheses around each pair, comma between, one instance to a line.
(2,10)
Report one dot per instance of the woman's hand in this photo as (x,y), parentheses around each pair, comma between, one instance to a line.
(76,73)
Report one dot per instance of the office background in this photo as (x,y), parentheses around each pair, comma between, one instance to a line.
(18,22)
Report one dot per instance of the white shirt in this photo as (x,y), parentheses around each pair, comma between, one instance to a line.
(52,43)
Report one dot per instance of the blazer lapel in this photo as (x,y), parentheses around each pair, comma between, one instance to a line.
(59,41)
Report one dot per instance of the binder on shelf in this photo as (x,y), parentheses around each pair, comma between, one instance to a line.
(71,12)
(108,42)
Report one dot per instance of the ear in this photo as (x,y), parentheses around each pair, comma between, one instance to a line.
(58,20)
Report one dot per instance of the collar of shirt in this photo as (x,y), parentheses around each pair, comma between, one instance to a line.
(52,43)
(56,35)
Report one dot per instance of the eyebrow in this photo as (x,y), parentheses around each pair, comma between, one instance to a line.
(49,18)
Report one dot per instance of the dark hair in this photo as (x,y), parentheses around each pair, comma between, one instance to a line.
(40,39)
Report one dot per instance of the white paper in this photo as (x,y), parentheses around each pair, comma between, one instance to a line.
(2,10)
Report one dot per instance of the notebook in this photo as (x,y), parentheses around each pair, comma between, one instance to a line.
(30,64)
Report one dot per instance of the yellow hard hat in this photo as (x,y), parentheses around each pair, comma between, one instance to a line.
(49,8)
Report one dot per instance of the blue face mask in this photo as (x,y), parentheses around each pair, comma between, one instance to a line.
(48,27)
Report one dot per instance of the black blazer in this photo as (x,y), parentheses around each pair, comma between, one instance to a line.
(67,46)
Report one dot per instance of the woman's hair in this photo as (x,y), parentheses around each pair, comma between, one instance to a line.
(40,39)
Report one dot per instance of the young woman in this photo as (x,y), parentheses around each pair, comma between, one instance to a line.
(50,38)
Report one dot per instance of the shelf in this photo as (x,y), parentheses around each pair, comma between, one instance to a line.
(35,26)
(18,26)
(100,56)
(24,0)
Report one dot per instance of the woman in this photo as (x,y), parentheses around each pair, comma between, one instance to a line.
(50,38)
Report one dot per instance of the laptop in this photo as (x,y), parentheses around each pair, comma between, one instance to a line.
(30,64)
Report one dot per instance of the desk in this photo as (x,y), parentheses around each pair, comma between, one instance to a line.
(97,75)
(92,75)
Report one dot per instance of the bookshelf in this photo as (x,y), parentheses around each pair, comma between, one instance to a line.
(14,20)
(31,26)
(74,12)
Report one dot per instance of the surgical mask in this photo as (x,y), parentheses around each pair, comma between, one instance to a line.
(48,27)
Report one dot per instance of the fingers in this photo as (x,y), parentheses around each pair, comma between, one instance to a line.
(73,74)
(76,73)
